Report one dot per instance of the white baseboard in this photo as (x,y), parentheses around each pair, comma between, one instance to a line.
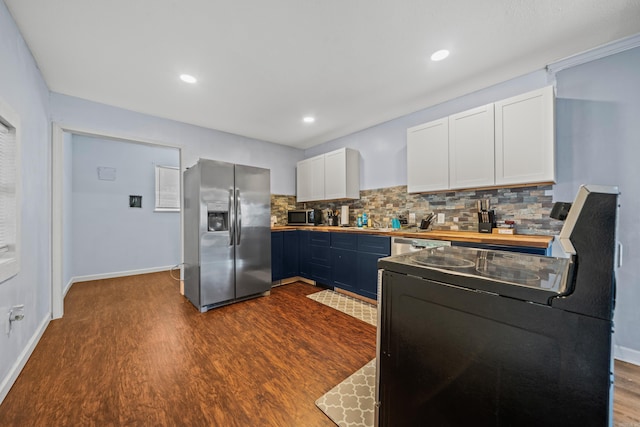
(67,287)
(626,354)
(15,370)
(118,274)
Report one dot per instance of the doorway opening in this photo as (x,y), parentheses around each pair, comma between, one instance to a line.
(96,233)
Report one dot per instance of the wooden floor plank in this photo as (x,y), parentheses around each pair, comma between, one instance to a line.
(132,351)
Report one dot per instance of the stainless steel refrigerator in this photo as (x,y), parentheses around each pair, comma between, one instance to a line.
(227,233)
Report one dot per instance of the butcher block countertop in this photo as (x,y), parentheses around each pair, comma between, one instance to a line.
(529,240)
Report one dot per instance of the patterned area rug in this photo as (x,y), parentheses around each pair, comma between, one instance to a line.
(349,305)
(351,403)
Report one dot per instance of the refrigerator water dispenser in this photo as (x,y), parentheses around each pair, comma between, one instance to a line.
(217,221)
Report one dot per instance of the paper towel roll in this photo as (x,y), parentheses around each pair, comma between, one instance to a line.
(344,215)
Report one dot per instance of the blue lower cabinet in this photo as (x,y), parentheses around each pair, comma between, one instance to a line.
(277,255)
(370,249)
(321,274)
(320,257)
(291,254)
(368,274)
(343,271)
(304,246)
(354,261)
(285,255)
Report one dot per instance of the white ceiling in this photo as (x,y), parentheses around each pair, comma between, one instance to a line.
(263,65)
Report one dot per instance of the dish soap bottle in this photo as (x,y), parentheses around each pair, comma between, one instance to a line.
(364,220)
(359,221)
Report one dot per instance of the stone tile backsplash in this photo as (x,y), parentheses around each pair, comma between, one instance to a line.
(529,207)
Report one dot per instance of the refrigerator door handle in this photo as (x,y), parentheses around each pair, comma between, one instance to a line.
(232,217)
(238,216)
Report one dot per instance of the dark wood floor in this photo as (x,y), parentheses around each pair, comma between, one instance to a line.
(132,351)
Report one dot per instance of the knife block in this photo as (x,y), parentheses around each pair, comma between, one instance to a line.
(486,221)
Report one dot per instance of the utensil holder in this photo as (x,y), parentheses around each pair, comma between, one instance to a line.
(486,221)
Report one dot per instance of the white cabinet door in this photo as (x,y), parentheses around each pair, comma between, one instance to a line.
(342,174)
(335,174)
(525,138)
(471,148)
(310,179)
(428,157)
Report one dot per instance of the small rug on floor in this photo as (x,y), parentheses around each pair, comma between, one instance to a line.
(349,305)
(351,403)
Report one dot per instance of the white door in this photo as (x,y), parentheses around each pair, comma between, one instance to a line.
(525,138)
(428,156)
(471,148)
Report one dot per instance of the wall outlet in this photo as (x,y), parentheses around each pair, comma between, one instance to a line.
(412,218)
(15,314)
(440,218)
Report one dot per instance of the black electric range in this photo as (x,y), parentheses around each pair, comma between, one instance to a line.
(490,338)
(526,277)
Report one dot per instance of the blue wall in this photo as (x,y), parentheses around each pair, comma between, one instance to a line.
(383,148)
(598,136)
(196,142)
(107,235)
(24,90)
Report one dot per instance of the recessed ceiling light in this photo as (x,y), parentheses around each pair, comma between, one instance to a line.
(440,55)
(188,78)
(309,119)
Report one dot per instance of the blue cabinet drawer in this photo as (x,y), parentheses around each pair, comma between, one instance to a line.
(320,255)
(321,274)
(344,241)
(320,238)
(374,244)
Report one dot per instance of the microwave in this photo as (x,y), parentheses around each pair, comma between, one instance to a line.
(304,217)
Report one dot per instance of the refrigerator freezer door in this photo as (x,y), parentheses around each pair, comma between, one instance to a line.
(216,248)
(253,230)
(216,268)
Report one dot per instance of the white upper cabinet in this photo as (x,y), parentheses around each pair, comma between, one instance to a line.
(428,156)
(525,138)
(510,142)
(471,148)
(342,174)
(334,175)
(310,179)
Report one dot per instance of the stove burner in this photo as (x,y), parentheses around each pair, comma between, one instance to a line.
(443,261)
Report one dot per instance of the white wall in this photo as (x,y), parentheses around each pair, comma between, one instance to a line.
(383,148)
(196,142)
(24,90)
(598,136)
(67,210)
(108,236)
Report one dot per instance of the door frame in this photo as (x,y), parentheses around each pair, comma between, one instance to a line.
(57,193)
